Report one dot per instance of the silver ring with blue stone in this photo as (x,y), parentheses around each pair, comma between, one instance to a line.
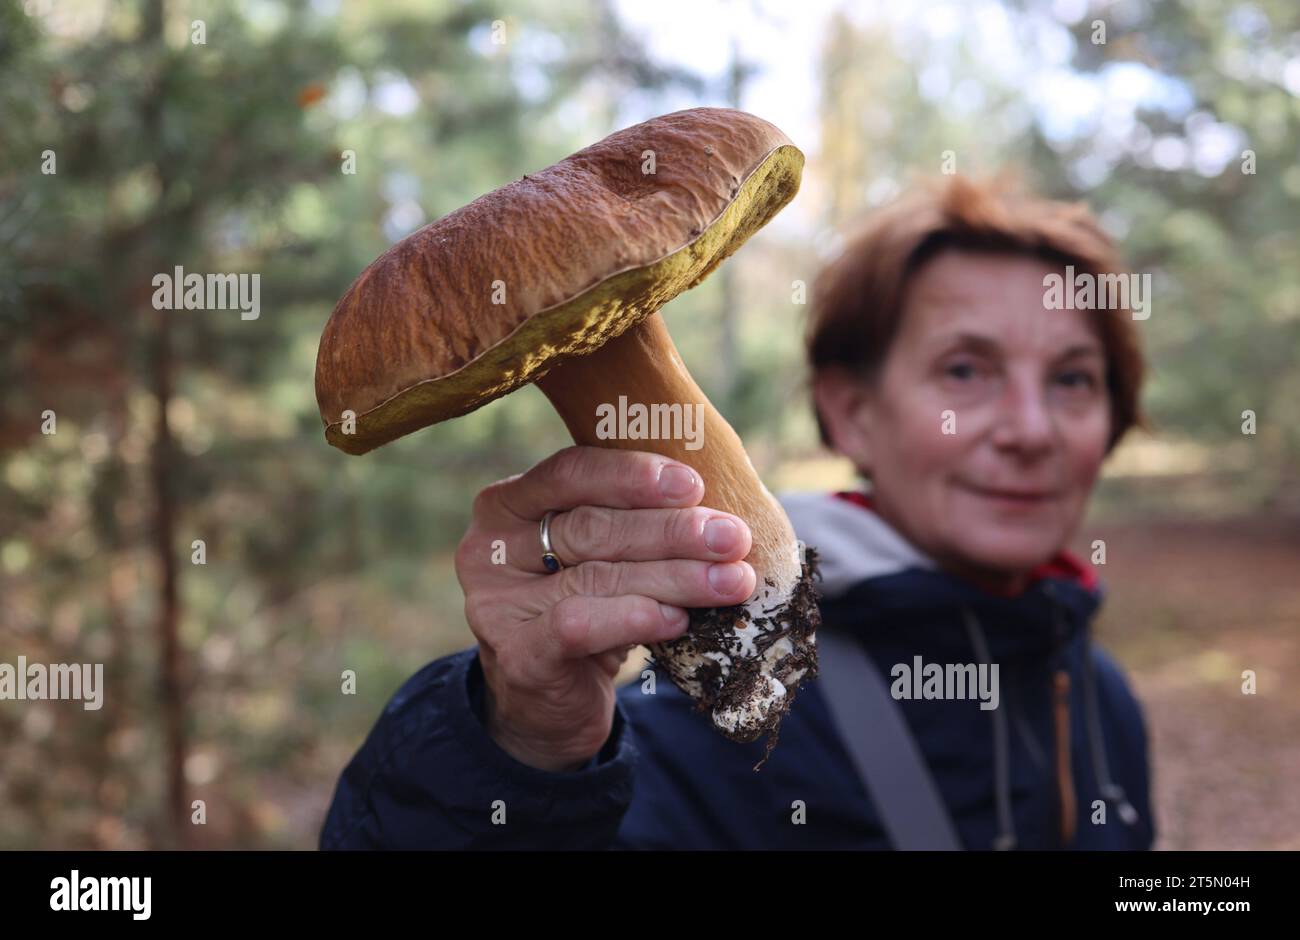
(549,559)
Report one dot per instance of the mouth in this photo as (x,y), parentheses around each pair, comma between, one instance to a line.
(1016,497)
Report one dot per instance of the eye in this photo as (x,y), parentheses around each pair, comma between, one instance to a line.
(962,369)
(1078,379)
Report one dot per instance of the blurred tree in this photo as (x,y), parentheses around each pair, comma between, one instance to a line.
(1205,186)
(293,143)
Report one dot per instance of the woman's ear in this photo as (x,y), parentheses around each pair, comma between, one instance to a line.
(844,402)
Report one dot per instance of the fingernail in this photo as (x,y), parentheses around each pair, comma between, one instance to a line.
(676,481)
(725,578)
(720,535)
(672,615)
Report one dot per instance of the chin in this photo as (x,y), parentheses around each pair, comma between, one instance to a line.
(1011,553)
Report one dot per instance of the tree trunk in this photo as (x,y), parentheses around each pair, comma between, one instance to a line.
(171,685)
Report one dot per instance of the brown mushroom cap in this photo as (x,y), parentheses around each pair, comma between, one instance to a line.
(583,250)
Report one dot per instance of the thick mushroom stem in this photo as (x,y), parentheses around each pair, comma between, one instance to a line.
(643,365)
(737,659)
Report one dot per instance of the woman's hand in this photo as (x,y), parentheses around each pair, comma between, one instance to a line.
(638,551)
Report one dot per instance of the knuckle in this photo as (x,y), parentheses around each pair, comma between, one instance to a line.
(571,619)
(597,578)
(487,498)
(645,471)
(644,616)
(681,527)
(477,613)
(564,466)
(468,552)
(588,531)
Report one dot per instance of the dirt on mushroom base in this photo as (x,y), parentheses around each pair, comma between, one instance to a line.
(714,631)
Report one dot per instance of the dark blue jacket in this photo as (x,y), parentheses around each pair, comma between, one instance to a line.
(429,777)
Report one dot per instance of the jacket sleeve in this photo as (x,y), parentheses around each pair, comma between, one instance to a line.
(430,777)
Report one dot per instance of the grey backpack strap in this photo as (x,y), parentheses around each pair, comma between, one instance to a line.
(881,746)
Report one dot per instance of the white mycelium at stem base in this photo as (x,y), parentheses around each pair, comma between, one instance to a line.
(643,365)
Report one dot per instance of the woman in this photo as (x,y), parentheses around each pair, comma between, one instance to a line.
(981,418)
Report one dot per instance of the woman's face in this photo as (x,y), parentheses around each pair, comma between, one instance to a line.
(987,426)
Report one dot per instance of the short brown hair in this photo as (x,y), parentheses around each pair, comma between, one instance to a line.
(858,297)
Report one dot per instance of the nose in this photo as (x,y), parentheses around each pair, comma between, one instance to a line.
(1025,422)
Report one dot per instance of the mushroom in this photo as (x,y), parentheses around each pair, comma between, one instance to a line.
(557,279)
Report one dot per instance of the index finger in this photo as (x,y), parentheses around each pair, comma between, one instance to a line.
(598,476)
